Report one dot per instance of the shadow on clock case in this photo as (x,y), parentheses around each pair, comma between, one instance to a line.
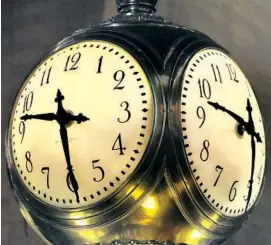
(159,49)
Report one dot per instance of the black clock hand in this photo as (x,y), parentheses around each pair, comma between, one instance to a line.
(63,115)
(63,120)
(44,116)
(253,150)
(251,131)
(237,118)
(79,118)
(70,177)
(241,122)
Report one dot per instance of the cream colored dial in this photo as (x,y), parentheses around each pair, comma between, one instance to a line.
(81,124)
(227,161)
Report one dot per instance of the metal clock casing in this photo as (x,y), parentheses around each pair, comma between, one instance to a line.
(183,215)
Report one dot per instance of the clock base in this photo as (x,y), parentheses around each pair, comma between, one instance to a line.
(156,220)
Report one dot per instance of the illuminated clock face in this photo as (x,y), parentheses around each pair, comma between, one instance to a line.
(81,124)
(223,133)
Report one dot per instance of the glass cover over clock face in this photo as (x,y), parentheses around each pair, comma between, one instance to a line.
(223,133)
(81,124)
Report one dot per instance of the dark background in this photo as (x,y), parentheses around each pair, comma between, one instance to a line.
(31,27)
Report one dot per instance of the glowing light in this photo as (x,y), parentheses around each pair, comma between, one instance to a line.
(150,203)
(137,193)
(76,215)
(81,222)
(91,235)
(195,235)
(150,206)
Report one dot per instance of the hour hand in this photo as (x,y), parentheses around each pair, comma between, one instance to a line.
(45,117)
(236,117)
(79,118)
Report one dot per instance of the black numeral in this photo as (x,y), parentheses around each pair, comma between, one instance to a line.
(233,191)
(201,115)
(100,65)
(220,170)
(232,73)
(46,77)
(119,77)
(125,104)
(28,101)
(101,170)
(248,186)
(205,89)
(22,130)
(46,170)
(28,163)
(72,61)
(204,154)
(217,74)
(118,145)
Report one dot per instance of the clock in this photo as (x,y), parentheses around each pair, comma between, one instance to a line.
(71,101)
(136,131)
(218,138)
(216,90)
(81,96)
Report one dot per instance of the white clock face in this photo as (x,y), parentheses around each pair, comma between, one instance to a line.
(81,124)
(224,158)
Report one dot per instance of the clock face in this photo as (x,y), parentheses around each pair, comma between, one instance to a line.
(81,124)
(223,133)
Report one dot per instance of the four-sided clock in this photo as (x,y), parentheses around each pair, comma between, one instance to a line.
(136,129)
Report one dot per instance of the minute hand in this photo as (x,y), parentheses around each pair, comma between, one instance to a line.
(71,177)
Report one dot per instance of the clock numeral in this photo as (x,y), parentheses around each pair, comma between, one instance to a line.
(28,163)
(119,77)
(100,65)
(205,88)
(125,104)
(220,170)
(233,191)
(119,148)
(22,130)
(201,115)
(204,154)
(46,170)
(72,61)
(217,73)
(260,175)
(248,186)
(28,101)
(232,73)
(100,168)
(46,77)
